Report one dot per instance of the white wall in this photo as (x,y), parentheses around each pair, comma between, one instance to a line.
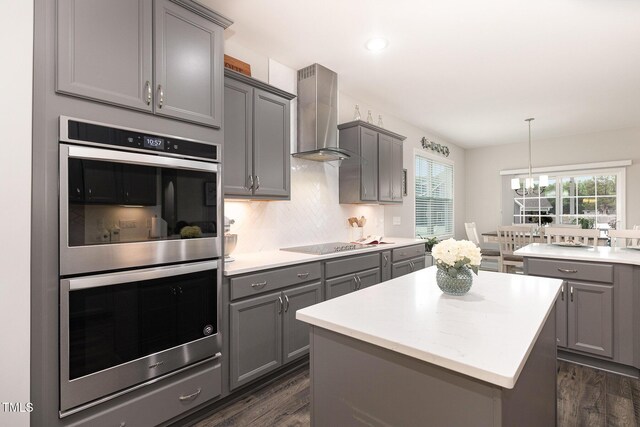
(313,214)
(16,45)
(483,181)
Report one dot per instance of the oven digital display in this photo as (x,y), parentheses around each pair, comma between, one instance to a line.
(154,142)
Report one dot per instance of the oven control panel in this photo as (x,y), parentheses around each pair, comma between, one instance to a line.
(125,138)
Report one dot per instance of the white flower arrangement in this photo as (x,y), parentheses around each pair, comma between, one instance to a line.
(451,255)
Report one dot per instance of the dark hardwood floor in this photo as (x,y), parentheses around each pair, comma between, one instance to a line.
(586,398)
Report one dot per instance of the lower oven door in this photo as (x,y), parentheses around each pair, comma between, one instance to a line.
(124,329)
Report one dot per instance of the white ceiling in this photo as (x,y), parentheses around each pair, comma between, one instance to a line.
(470,71)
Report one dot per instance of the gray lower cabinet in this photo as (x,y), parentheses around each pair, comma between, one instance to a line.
(374,173)
(257,139)
(264,333)
(153,56)
(405,267)
(385,265)
(590,318)
(343,285)
(595,309)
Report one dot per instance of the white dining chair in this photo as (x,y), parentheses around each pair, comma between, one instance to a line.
(487,254)
(510,239)
(563,234)
(624,238)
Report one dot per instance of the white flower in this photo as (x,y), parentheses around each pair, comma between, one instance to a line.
(453,253)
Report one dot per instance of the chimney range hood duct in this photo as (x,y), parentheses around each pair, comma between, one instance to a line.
(318,115)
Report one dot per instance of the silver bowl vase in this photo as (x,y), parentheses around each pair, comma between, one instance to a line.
(458,285)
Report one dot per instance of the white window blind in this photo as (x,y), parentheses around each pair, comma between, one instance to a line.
(434,198)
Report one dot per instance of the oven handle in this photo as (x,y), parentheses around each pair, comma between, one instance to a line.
(91,153)
(138,275)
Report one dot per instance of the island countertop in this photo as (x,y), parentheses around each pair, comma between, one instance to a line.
(486,334)
(591,253)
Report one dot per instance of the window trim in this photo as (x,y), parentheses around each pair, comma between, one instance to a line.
(621,173)
(445,160)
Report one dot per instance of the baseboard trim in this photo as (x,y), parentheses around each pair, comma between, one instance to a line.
(603,365)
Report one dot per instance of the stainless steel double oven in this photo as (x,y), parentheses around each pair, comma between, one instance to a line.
(140,258)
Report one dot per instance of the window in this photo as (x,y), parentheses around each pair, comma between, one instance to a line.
(592,199)
(434,197)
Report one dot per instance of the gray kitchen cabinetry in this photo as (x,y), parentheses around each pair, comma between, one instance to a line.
(407,260)
(257,139)
(594,312)
(264,333)
(374,173)
(349,274)
(157,56)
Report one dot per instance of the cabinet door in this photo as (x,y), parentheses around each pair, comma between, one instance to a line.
(561,316)
(385,168)
(418,264)
(256,337)
(368,165)
(187,65)
(101,182)
(271,136)
(590,318)
(386,265)
(238,138)
(340,286)
(104,51)
(368,278)
(406,267)
(396,171)
(296,333)
(139,185)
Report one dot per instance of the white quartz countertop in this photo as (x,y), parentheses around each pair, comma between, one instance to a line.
(486,334)
(255,261)
(587,253)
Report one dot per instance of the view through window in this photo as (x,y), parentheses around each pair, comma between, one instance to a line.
(434,198)
(590,200)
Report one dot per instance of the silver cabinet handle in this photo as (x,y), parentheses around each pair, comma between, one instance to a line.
(359,282)
(562,292)
(411,266)
(190,396)
(160,96)
(564,270)
(571,292)
(281,303)
(147,88)
(90,194)
(303,275)
(250,182)
(386,260)
(257,182)
(259,285)
(286,303)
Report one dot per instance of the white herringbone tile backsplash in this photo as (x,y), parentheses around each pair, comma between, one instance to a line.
(313,215)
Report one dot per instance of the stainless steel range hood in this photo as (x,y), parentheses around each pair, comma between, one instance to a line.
(318,115)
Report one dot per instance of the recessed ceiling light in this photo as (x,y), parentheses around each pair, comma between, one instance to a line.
(376,44)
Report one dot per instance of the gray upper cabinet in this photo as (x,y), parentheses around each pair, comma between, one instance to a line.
(374,173)
(271,149)
(105,51)
(188,65)
(257,139)
(157,56)
(238,129)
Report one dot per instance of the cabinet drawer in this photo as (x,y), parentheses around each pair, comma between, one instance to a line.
(164,403)
(570,270)
(253,284)
(400,254)
(349,265)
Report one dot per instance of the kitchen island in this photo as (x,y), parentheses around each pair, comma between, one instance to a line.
(403,353)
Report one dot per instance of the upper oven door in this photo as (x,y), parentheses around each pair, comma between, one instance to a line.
(122,209)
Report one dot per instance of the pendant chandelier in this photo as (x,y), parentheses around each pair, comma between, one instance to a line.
(527,186)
